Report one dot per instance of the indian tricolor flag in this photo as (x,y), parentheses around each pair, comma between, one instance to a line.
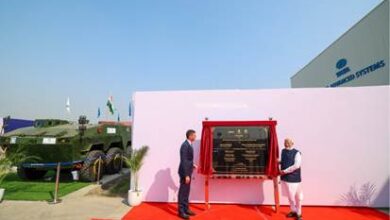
(110,105)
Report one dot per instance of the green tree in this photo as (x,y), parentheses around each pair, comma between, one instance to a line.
(7,161)
(135,162)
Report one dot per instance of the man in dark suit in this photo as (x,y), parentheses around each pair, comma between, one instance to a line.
(185,172)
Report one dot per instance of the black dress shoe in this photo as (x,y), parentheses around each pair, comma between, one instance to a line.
(190,213)
(299,217)
(292,215)
(184,216)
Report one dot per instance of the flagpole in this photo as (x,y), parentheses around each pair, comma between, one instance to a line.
(107,109)
(98,114)
(67,109)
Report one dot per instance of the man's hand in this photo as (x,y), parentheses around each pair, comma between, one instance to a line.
(195,166)
(282,172)
(188,179)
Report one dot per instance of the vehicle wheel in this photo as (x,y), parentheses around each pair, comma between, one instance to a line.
(128,152)
(30,173)
(114,162)
(89,170)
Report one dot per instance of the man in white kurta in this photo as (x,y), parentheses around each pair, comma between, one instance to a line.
(291,178)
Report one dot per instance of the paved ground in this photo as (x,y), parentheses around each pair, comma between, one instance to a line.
(79,205)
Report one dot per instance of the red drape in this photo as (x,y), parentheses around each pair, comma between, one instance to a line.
(206,145)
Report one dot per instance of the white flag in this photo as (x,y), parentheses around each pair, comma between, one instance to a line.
(67,105)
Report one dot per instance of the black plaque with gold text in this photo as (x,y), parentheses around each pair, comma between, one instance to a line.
(240,150)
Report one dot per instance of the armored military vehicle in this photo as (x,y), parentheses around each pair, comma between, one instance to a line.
(89,148)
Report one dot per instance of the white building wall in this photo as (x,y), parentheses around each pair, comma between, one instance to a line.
(343,134)
(364,45)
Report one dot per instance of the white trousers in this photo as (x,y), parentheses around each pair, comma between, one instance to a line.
(295,196)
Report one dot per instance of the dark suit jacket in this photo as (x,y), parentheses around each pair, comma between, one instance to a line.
(186,159)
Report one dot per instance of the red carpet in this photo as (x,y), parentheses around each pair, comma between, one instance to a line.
(167,211)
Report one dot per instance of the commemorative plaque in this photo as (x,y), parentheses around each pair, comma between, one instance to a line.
(240,150)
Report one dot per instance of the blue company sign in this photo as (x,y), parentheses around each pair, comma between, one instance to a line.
(343,69)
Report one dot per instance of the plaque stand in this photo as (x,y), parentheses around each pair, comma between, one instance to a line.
(206,191)
(206,152)
(276,192)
